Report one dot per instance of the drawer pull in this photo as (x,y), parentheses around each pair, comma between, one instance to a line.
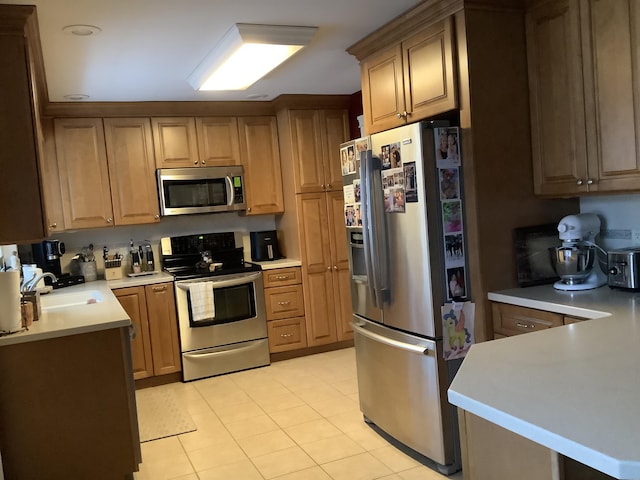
(286,335)
(159,289)
(525,325)
(282,277)
(284,303)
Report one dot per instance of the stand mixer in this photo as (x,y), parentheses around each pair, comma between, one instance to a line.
(574,260)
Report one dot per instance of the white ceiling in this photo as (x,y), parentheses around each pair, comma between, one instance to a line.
(148,48)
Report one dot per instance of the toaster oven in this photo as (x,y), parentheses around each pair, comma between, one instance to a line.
(624,268)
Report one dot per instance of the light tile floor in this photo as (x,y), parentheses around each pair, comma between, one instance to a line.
(293,420)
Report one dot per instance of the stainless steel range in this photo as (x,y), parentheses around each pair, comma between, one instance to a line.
(220,304)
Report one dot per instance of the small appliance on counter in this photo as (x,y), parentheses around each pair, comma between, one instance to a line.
(264,246)
(46,255)
(574,259)
(624,268)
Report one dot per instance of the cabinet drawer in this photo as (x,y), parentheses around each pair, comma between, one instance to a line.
(288,334)
(513,320)
(280,277)
(284,302)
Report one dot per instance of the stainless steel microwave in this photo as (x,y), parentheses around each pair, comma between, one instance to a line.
(185,191)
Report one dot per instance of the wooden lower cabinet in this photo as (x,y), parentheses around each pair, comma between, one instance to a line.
(511,320)
(492,452)
(284,304)
(155,349)
(70,412)
(325,267)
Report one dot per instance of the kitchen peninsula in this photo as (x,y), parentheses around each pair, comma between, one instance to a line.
(570,393)
(67,403)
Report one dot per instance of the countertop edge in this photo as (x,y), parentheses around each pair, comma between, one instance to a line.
(74,319)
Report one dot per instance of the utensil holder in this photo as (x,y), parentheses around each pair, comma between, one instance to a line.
(89,271)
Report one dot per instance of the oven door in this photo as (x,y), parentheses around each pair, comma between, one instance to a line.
(239,312)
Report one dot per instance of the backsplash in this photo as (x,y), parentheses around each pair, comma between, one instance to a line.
(117,238)
(619,216)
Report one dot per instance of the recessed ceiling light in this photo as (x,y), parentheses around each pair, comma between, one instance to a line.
(82,30)
(76,96)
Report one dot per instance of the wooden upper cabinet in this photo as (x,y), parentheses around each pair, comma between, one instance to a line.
(427,61)
(610,40)
(584,101)
(316,136)
(410,81)
(23,221)
(175,142)
(51,193)
(84,175)
(260,157)
(218,141)
(131,170)
(557,98)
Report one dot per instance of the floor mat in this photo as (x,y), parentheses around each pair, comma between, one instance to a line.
(160,415)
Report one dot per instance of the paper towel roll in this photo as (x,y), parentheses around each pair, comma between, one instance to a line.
(10,316)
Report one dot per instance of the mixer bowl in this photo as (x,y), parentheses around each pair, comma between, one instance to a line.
(573,263)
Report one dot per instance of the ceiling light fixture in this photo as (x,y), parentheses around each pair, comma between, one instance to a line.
(82,30)
(246,53)
(76,96)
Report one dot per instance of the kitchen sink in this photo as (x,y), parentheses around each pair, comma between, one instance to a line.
(64,300)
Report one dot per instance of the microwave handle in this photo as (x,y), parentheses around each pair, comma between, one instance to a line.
(230,195)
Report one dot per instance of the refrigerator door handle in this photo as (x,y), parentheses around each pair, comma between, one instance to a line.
(389,341)
(380,247)
(367,221)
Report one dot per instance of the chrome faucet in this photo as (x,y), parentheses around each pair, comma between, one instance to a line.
(30,285)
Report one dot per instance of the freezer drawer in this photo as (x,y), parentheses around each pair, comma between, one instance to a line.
(400,389)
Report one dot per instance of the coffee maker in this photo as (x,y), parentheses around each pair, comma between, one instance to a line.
(46,255)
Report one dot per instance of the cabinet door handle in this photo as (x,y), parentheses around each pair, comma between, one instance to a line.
(286,335)
(284,303)
(579,182)
(335,268)
(525,325)
(329,268)
(159,289)
(195,162)
(328,186)
(403,115)
(204,162)
(156,217)
(109,220)
(53,225)
(589,181)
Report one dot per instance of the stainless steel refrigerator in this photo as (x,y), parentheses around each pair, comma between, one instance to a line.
(400,231)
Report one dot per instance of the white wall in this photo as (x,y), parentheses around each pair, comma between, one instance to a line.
(620,216)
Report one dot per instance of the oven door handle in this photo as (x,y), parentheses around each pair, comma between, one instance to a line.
(231,282)
(208,353)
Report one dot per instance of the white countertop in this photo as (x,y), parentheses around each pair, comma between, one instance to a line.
(150,279)
(281,263)
(72,320)
(574,389)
